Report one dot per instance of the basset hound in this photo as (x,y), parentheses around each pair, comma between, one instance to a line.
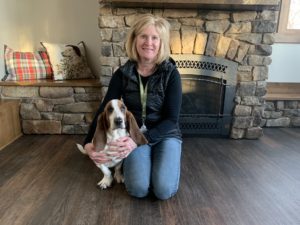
(114,122)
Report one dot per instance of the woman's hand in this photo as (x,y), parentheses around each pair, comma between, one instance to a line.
(97,157)
(122,147)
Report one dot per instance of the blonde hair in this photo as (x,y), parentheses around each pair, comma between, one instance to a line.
(163,28)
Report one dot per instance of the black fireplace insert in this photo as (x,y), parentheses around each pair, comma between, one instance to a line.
(208,86)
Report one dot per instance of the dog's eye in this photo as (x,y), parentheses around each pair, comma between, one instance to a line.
(110,109)
(123,108)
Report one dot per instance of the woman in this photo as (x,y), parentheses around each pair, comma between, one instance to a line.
(150,87)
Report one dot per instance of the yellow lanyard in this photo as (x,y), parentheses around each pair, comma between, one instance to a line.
(143,94)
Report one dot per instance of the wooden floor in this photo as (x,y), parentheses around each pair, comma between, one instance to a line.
(45,180)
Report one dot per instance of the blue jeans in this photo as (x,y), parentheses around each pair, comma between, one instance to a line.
(154,167)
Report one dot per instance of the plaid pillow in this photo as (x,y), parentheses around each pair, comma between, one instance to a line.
(26,65)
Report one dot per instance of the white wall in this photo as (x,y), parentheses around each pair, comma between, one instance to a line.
(285,65)
(25,23)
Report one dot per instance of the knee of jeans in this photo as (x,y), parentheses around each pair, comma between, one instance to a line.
(164,192)
(137,190)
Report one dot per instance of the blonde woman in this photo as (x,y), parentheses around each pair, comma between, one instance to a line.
(150,87)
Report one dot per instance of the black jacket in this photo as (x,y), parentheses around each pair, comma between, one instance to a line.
(163,99)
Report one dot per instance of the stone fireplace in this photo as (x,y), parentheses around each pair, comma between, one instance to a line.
(237,31)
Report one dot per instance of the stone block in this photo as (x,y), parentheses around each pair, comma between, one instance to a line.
(51,116)
(242,122)
(246,88)
(280,105)
(261,88)
(195,22)
(244,16)
(212,44)
(188,40)
(295,122)
(251,100)
(217,26)
(180,13)
(200,43)
(62,101)
(239,28)
(175,25)
(262,49)
(215,15)
(263,26)
(223,46)
(260,73)
(119,34)
(73,119)
(251,38)
(241,52)
(276,114)
(242,110)
(243,76)
(254,133)
(257,114)
(110,61)
(80,107)
(119,49)
(106,49)
(106,34)
(56,92)
(44,105)
(237,133)
(280,122)
(29,112)
(88,97)
(175,42)
(20,92)
(108,21)
(233,47)
(268,39)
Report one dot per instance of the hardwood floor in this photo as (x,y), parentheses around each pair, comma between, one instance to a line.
(45,180)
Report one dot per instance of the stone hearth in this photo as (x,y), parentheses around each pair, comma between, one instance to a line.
(244,37)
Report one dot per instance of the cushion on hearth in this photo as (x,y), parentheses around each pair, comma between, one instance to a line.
(26,65)
(68,61)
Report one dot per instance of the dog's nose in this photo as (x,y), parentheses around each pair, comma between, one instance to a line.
(118,121)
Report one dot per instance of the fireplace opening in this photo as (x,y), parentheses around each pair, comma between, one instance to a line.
(208,88)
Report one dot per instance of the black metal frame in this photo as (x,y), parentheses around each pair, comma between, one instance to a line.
(218,124)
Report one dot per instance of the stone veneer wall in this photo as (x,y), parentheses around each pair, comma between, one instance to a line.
(242,36)
(281,114)
(54,110)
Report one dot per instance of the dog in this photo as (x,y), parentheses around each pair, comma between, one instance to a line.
(114,122)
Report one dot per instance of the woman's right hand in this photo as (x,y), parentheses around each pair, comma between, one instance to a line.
(97,156)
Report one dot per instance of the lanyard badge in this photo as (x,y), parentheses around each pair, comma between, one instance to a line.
(143,94)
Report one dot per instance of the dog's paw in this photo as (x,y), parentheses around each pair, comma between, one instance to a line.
(119,177)
(105,182)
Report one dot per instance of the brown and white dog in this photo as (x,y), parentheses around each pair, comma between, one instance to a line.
(114,122)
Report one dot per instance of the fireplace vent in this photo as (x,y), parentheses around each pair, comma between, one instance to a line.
(208,85)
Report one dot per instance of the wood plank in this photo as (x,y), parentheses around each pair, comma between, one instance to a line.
(10,127)
(45,180)
(203,4)
(54,83)
(283,91)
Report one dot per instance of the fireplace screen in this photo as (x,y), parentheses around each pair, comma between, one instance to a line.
(208,85)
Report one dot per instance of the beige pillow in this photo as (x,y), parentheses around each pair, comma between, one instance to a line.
(68,61)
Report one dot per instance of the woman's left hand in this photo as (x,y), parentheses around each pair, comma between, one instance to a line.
(121,148)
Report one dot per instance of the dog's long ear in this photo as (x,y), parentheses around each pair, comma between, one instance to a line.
(76,49)
(134,130)
(99,139)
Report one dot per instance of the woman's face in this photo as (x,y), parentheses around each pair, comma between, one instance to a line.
(147,44)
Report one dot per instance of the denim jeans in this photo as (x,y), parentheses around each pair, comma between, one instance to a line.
(154,167)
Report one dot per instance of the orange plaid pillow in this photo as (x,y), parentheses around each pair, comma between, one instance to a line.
(26,65)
